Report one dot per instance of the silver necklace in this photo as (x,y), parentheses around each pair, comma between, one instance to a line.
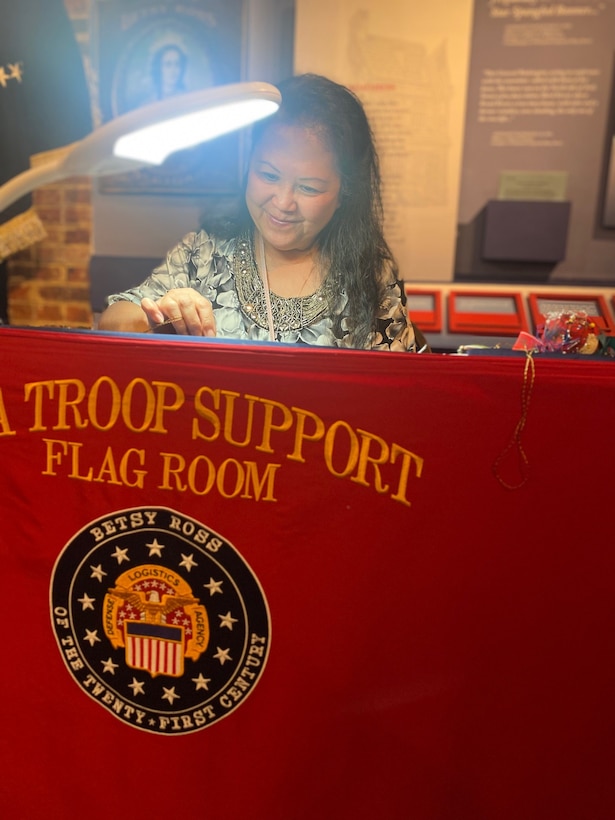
(265,308)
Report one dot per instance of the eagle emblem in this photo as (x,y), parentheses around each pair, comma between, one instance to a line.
(159,619)
(156,620)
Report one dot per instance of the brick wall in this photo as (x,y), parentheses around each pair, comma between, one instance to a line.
(48,283)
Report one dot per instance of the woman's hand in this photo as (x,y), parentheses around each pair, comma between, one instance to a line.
(190,313)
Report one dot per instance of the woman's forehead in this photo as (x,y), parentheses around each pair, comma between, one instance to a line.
(295,142)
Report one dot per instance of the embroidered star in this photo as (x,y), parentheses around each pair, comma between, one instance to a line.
(201,682)
(170,694)
(227,620)
(86,602)
(97,572)
(15,72)
(155,548)
(222,655)
(91,636)
(213,586)
(188,562)
(137,687)
(3,77)
(120,555)
(109,666)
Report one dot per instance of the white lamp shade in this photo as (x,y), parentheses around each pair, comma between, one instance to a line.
(148,135)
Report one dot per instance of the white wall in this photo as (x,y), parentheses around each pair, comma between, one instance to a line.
(409,63)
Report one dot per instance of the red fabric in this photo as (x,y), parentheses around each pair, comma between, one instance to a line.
(443,658)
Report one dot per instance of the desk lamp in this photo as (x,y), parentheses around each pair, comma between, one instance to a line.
(147,135)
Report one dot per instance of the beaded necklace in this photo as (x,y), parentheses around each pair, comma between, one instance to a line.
(268,310)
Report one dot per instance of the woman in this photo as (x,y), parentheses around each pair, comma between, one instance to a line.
(306,261)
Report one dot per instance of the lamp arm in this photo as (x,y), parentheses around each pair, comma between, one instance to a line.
(119,146)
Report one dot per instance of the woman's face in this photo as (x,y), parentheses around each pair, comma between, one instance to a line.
(293,187)
(171,70)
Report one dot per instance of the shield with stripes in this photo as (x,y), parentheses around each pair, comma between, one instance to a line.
(157,648)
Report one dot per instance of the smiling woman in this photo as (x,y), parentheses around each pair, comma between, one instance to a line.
(304,261)
(293,190)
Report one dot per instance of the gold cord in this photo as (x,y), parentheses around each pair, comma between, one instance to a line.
(529,375)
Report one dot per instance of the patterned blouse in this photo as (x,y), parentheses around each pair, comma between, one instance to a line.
(225,273)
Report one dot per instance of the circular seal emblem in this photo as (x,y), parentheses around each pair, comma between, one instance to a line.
(159,619)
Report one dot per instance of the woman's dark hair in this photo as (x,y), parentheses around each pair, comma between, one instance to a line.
(352,245)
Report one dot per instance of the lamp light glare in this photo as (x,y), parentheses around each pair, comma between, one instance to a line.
(147,135)
(154,143)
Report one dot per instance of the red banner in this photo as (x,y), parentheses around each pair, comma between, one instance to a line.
(269,582)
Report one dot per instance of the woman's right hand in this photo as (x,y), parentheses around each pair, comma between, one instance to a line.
(186,309)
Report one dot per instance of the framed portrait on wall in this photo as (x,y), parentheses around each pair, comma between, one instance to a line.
(145,51)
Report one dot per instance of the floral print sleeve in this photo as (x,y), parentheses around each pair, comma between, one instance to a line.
(195,262)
